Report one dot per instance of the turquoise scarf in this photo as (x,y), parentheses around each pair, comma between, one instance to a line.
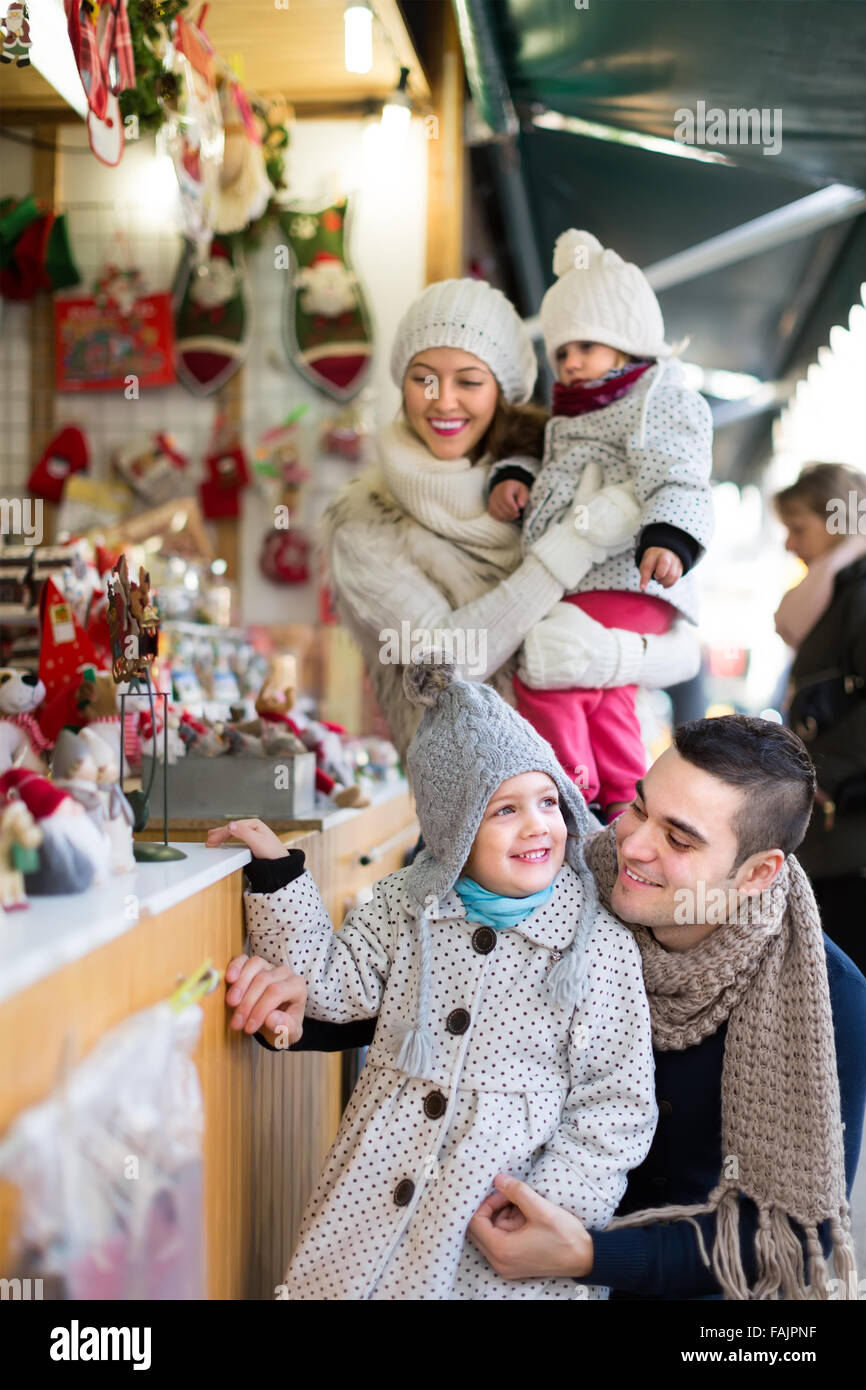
(494,910)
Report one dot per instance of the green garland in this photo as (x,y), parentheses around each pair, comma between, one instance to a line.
(148,22)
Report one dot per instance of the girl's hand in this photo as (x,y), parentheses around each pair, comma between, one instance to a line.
(266,997)
(535,1240)
(661,565)
(507,499)
(259,838)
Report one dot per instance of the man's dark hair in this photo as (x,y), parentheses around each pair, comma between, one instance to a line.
(770,765)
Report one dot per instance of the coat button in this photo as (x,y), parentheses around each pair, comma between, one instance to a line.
(457,1021)
(435,1105)
(404,1192)
(483,940)
(665,1107)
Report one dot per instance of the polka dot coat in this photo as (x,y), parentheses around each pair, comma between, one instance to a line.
(658,437)
(562,1098)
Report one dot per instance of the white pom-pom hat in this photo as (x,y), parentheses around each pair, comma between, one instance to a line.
(600,298)
(473,316)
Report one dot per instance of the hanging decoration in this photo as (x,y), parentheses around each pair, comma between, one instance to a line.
(15,35)
(227,473)
(244,187)
(194,128)
(286,550)
(102,48)
(65,454)
(115,339)
(34,249)
(326,325)
(211,319)
(150,22)
(133,623)
(154,468)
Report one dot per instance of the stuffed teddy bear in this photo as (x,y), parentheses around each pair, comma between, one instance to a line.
(22,742)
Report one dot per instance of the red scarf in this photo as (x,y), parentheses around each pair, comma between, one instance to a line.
(585,396)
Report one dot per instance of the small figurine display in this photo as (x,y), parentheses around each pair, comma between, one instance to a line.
(117,815)
(20,838)
(72,851)
(133,623)
(15,35)
(334,773)
(22,742)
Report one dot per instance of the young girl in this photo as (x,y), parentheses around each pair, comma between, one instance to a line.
(620,407)
(513,1031)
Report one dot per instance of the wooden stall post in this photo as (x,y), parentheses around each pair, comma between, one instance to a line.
(445,155)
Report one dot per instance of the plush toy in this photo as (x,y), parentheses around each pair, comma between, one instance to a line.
(20,838)
(97,708)
(72,849)
(74,770)
(154,747)
(22,742)
(117,813)
(273,703)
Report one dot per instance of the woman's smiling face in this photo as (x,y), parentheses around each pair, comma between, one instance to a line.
(450,398)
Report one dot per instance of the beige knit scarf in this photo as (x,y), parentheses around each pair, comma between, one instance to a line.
(446,496)
(766,974)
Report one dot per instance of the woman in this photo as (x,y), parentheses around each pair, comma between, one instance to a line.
(824,619)
(411,547)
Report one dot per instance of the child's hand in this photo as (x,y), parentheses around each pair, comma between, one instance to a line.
(507,499)
(267,997)
(661,565)
(258,837)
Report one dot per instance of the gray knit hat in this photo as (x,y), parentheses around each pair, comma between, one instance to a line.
(474,316)
(468,743)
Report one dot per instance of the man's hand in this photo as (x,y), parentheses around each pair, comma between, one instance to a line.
(258,837)
(523,1236)
(661,565)
(507,499)
(266,997)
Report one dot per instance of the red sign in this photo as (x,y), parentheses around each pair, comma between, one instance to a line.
(98,348)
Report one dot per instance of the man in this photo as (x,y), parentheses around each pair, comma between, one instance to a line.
(759,1031)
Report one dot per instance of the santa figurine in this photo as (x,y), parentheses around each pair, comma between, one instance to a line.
(118,818)
(72,849)
(16,35)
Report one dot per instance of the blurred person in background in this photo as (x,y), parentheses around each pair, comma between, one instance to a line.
(824,619)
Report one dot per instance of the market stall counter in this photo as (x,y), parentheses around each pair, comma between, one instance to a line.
(74,967)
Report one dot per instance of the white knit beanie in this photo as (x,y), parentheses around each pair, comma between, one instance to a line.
(472,315)
(600,298)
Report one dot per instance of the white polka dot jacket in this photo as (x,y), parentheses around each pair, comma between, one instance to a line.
(563,1098)
(659,438)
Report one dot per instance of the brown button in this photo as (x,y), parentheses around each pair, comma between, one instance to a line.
(665,1107)
(483,940)
(457,1021)
(404,1192)
(435,1105)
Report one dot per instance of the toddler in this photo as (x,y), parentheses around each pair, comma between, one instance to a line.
(513,1030)
(622,414)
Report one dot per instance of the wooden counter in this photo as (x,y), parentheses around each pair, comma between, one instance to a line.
(269,1117)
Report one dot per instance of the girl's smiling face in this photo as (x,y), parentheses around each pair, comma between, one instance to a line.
(520,845)
(450,398)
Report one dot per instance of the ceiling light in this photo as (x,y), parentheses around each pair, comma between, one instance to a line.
(358,27)
(397,113)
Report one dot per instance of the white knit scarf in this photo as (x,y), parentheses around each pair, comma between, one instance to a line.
(447,496)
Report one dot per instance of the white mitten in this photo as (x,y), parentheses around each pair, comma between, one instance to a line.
(597,525)
(568,648)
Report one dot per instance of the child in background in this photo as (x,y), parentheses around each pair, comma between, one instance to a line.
(621,412)
(513,1031)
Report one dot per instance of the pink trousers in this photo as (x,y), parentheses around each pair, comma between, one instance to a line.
(595,733)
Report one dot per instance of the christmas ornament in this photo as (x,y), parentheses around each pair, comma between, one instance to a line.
(102,48)
(15,35)
(326,326)
(149,22)
(154,468)
(227,473)
(285,557)
(133,623)
(34,249)
(211,320)
(194,128)
(20,838)
(64,649)
(65,454)
(278,460)
(244,187)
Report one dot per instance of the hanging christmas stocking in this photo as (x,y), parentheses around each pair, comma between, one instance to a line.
(326,326)
(65,454)
(211,320)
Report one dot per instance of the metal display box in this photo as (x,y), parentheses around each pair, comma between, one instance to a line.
(233,787)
